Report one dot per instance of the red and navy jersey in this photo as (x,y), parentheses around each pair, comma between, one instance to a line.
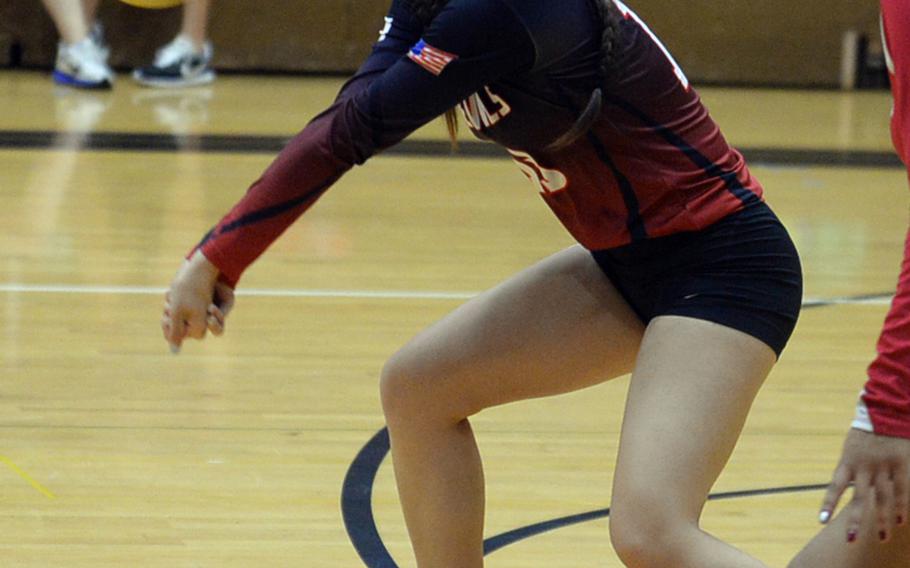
(647,161)
(885,404)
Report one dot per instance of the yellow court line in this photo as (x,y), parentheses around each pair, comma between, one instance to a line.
(31,481)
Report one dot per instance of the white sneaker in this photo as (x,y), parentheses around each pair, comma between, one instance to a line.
(178,64)
(82,65)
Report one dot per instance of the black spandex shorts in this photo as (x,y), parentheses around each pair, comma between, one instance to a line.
(742,272)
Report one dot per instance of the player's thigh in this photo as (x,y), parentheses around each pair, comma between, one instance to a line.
(555,327)
(693,386)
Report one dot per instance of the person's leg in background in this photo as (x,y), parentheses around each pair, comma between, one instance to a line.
(186,60)
(81,56)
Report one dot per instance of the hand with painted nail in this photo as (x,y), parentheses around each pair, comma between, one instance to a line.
(878,468)
(195,303)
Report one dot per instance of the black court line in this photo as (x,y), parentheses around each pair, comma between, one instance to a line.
(357,491)
(357,509)
(846,300)
(148,142)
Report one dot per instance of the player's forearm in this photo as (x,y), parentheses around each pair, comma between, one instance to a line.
(300,174)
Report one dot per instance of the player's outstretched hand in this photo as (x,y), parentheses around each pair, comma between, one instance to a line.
(195,303)
(878,467)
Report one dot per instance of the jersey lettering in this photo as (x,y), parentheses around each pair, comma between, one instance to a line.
(544,179)
(384,32)
(628,13)
(484,109)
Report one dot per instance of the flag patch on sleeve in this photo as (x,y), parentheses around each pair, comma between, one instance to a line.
(430,58)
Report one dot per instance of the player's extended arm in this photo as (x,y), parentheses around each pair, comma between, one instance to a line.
(403,85)
(459,56)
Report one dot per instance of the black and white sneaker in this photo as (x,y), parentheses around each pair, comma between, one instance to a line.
(178,64)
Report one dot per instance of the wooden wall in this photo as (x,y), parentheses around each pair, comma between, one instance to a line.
(734,41)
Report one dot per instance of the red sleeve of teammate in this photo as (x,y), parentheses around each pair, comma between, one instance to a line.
(887,392)
(471,43)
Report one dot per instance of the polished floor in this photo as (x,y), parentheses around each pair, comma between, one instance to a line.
(265,448)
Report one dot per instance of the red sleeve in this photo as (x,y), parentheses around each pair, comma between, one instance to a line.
(887,392)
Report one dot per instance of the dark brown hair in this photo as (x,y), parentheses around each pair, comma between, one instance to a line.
(425,10)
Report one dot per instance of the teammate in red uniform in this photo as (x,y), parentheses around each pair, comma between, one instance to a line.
(873,529)
(684,276)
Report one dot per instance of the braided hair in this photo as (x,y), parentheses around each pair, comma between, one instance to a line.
(610,17)
(425,10)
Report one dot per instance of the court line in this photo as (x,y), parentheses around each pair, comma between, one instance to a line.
(28,478)
(357,507)
(419,147)
(877,299)
(356,498)
(494,543)
(13,288)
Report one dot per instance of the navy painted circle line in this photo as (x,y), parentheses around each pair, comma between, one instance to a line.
(357,509)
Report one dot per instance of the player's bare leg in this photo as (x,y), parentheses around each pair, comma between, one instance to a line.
(556,327)
(692,388)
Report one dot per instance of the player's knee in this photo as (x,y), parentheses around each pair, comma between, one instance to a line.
(644,539)
(395,385)
(413,391)
(405,390)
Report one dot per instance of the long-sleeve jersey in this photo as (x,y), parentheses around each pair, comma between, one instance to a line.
(645,159)
(885,402)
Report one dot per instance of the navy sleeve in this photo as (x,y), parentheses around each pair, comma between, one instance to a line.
(401,30)
(468,45)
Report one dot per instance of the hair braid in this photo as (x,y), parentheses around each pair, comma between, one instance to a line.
(609,15)
(426,10)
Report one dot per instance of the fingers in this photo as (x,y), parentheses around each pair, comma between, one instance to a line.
(863,491)
(215,320)
(178,324)
(224,298)
(223,303)
(174,331)
(836,489)
(901,481)
(195,303)
(167,329)
(884,505)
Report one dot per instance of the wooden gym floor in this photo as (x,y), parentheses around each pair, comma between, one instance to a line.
(264,448)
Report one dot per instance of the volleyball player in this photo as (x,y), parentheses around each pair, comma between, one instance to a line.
(872,531)
(683,276)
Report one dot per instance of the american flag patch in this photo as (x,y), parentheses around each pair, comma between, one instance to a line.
(430,58)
